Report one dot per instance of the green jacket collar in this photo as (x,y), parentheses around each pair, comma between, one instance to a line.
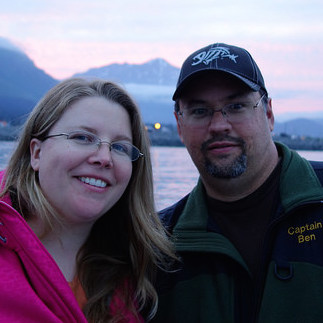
(190,233)
(298,183)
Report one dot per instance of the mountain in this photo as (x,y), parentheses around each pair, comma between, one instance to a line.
(156,71)
(22,84)
(151,84)
(5,43)
(300,127)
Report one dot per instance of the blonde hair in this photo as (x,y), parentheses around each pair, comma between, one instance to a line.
(127,245)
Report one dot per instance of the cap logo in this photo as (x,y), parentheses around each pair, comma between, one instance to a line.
(212,54)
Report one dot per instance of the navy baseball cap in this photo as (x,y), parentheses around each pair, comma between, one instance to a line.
(221,57)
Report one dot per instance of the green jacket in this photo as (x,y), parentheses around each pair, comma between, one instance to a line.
(212,283)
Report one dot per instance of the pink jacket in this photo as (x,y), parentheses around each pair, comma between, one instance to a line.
(32,287)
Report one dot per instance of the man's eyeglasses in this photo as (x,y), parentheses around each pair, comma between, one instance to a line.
(90,141)
(201,116)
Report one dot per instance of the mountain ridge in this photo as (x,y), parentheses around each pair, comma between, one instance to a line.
(22,84)
(156,71)
(151,84)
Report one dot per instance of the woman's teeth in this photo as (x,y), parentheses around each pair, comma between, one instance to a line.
(93,181)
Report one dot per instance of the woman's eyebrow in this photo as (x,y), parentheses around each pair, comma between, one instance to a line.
(119,137)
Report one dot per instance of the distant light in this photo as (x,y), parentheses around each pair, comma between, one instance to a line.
(157,125)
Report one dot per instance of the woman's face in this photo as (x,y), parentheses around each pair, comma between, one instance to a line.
(82,182)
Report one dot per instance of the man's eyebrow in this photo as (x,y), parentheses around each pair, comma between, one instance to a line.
(238,95)
(198,102)
(195,102)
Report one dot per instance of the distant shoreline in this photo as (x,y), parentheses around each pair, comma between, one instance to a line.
(168,136)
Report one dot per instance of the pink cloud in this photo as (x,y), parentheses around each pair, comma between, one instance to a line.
(62,59)
(297,105)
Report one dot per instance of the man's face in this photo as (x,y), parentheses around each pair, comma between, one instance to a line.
(220,147)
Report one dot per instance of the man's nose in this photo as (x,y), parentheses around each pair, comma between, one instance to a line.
(218,121)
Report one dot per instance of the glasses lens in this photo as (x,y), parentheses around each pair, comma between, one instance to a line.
(83,138)
(197,116)
(125,149)
(90,141)
(234,113)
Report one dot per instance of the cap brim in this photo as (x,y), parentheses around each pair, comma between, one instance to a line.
(253,86)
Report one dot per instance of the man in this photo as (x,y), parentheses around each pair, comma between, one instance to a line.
(250,234)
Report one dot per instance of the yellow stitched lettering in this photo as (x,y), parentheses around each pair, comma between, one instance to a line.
(301,238)
(302,232)
(307,227)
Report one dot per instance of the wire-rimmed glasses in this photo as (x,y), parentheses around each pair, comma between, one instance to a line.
(200,116)
(91,141)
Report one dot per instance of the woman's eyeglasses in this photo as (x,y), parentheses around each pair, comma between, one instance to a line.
(88,140)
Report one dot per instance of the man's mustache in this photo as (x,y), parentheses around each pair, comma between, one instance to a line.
(220,138)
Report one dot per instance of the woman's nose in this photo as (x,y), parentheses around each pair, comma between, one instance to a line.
(102,156)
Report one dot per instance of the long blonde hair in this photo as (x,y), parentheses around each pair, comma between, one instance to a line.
(126,245)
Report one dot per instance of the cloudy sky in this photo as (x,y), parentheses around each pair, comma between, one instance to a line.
(285,37)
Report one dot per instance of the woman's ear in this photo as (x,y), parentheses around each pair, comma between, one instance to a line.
(35,151)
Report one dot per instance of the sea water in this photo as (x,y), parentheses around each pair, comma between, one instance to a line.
(174,172)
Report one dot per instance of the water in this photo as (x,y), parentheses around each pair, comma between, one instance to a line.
(6,148)
(174,172)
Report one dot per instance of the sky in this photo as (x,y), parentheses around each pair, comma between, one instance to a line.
(285,37)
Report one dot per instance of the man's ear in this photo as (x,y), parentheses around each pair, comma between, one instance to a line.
(178,126)
(35,152)
(270,114)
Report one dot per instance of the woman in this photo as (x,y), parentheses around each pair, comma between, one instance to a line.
(86,238)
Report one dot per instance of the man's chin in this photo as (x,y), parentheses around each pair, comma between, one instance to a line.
(225,168)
